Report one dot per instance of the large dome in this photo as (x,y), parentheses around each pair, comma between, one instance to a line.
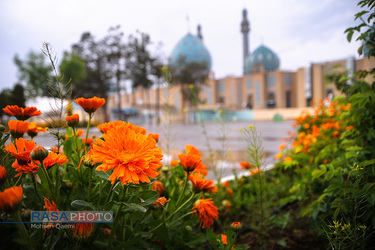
(262,55)
(190,49)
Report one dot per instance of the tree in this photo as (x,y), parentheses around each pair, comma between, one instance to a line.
(15,96)
(34,73)
(99,59)
(73,69)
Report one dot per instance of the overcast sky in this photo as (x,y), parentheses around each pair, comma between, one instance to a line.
(299,31)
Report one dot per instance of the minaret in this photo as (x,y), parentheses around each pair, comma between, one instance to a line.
(199,32)
(245,28)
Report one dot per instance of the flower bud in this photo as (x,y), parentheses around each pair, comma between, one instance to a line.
(72,120)
(3,175)
(2,128)
(88,162)
(39,154)
(236,226)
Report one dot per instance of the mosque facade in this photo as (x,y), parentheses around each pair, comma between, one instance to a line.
(263,87)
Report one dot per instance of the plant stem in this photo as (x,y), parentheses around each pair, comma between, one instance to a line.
(110,193)
(48,180)
(117,217)
(90,183)
(87,130)
(75,139)
(178,209)
(183,190)
(19,179)
(22,230)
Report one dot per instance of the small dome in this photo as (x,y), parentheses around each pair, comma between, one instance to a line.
(262,55)
(189,49)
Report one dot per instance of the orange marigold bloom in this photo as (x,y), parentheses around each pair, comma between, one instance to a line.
(33,129)
(236,225)
(10,199)
(3,175)
(226,184)
(72,120)
(21,113)
(134,157)
(224,239)
(79,132)
(226,204)
(158,186)
(54,158)
(82,230)
(189,162)
(174,163)
(190,149)
(160,202)
(49,206)
(106,126)
(90,105)
(256,171)
(155,136)
(21,150)
(88,142)
(229,192)
(207,212)
(17,128)
(288,158)
(56,150)
(202,185)
(25,167)
(282,146)
(278,156)
(246,165)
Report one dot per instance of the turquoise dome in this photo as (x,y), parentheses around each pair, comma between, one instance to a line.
(190,49)
(262,55)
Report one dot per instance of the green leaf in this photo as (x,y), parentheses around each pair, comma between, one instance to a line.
(152,180)
(128,243)
(134,207)
(317,173)
(82,205)
(366,163)
(144,198)
(101,174)
(211,236)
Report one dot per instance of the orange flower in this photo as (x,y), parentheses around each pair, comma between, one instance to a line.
(160,202)
(246,165)
(207,212)
(158,186)
(21,113)
(21,150)
(202,185)
(49,206)
(155,136)
(27,167)
(33,129)
(282,146)
(224,239)
(3,175)
(106,126)
(288,158)
(229,192)
(236,225)
(82,230)
(174,163)
(56,150)
(88,142)
(226,184)
(17,128)
(189,162)
(54,158)
(190,149)
(255,171)
(72,120)
(306,126)
(278,156)
(79,132)
(10,199)
(90,105)
(134,157)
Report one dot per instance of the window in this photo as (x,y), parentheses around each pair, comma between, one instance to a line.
(257,93)
(221,100)
(271,103)
(288,80)
(249,83)
(288,100)
(176,101)
(271,80)
(221,87)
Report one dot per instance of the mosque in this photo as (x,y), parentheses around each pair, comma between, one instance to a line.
(261,92)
